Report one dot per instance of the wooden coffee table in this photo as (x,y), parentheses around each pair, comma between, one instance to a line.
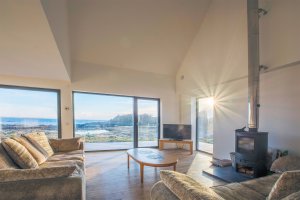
(151,157)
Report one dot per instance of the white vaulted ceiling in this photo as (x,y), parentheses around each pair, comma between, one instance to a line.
(27,45)
(145,35)
(40,38)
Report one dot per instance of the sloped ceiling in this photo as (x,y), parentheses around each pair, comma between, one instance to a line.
(57,15)
(27,45)
(146,35)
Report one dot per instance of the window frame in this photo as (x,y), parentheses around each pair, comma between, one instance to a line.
(57,91)
(134,112)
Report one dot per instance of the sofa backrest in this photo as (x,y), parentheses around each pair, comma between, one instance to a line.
(5,160)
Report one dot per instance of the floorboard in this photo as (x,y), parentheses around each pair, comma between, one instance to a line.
(108,176)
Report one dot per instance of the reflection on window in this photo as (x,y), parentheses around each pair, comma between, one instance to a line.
(25,110)
(205,111)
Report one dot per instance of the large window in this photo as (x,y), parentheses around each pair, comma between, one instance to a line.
(204,132)
(25,110)
(111,122)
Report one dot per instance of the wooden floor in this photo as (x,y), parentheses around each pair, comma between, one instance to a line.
(109,178)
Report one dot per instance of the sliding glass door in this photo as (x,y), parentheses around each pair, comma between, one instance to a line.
(204,131)
(148,122)
(111,122)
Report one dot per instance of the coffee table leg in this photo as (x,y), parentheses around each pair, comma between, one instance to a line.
(142,172)
(128,161)
(174,167)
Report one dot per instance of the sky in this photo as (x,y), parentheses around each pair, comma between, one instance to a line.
(43,104)
(101,107)
(104,107)
(27,103)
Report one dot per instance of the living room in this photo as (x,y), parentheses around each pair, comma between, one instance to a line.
(116,73)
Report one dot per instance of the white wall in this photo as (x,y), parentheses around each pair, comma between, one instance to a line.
(91,78)
(279,31)
(109,80)
(216,65)
(27,44)
(57,14)
(218,53)
(280,111)
(280,93)
(151,36)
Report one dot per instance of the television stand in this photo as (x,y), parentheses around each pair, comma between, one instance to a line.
(180,142)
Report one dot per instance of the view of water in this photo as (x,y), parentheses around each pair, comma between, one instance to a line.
(39,121)
(34,121)
(116,130)
(92,132)
(84,121)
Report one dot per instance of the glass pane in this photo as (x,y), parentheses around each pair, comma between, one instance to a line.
(148,123)
(105,121)
(24,111)
(205,114)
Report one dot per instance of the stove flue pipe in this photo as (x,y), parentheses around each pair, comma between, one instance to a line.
(253,65)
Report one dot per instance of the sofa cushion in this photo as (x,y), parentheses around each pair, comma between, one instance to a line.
(79,163)
(38,156)
(288,183)
(237,191)
(65,156)
(187,188)
(63,145)
(286,163)
(41,142)
(262,185)
(19,154)
(5,161)
(41,173)
(80,152)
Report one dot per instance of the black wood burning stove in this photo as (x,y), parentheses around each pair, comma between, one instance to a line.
(251,153)
(252,146)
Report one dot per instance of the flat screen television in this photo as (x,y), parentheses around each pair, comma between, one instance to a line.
(177,131)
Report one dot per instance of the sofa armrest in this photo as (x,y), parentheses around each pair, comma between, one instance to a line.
(63,145)
(184,187)
(160,191)
(8,175)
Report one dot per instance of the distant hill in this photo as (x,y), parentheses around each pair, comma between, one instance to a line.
(119,120)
